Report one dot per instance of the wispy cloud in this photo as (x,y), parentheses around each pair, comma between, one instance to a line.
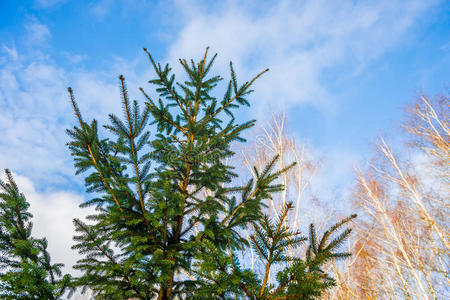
(37,33)
(310,46)
(11,54)
(300,41)
(33,95)
(74,58)
(101,8)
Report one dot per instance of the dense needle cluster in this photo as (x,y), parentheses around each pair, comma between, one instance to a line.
(25,268)
(169,218)
(173,228)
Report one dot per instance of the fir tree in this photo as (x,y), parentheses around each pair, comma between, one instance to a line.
(169,220)
(27,272)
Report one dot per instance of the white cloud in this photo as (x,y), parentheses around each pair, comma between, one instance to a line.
(32,97)
(334,180)
(74,58)
(37,111)
(101,8)
(11,53)
(37,33)
(300,41)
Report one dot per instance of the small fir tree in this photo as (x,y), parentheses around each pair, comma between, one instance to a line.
(169,219)
(26,270)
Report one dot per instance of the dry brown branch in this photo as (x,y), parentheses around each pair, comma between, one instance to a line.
(402,246)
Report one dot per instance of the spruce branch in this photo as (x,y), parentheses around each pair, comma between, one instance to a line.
(27,271)
(168,84)
(180,230)
(238,93)
(158,112)
(131,137)
(84,132)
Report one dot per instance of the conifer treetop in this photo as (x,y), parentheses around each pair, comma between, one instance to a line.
(169,216)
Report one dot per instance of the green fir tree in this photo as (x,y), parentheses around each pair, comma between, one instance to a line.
(25,268)
(169,220)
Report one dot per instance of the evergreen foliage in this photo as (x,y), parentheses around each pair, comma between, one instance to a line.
(26,270)
(169,220)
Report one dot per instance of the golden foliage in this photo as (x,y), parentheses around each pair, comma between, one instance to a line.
(402,245)
(401,242)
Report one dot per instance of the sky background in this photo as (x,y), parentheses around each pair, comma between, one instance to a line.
(343,71)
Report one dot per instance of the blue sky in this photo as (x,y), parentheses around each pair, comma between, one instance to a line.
(342,70)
